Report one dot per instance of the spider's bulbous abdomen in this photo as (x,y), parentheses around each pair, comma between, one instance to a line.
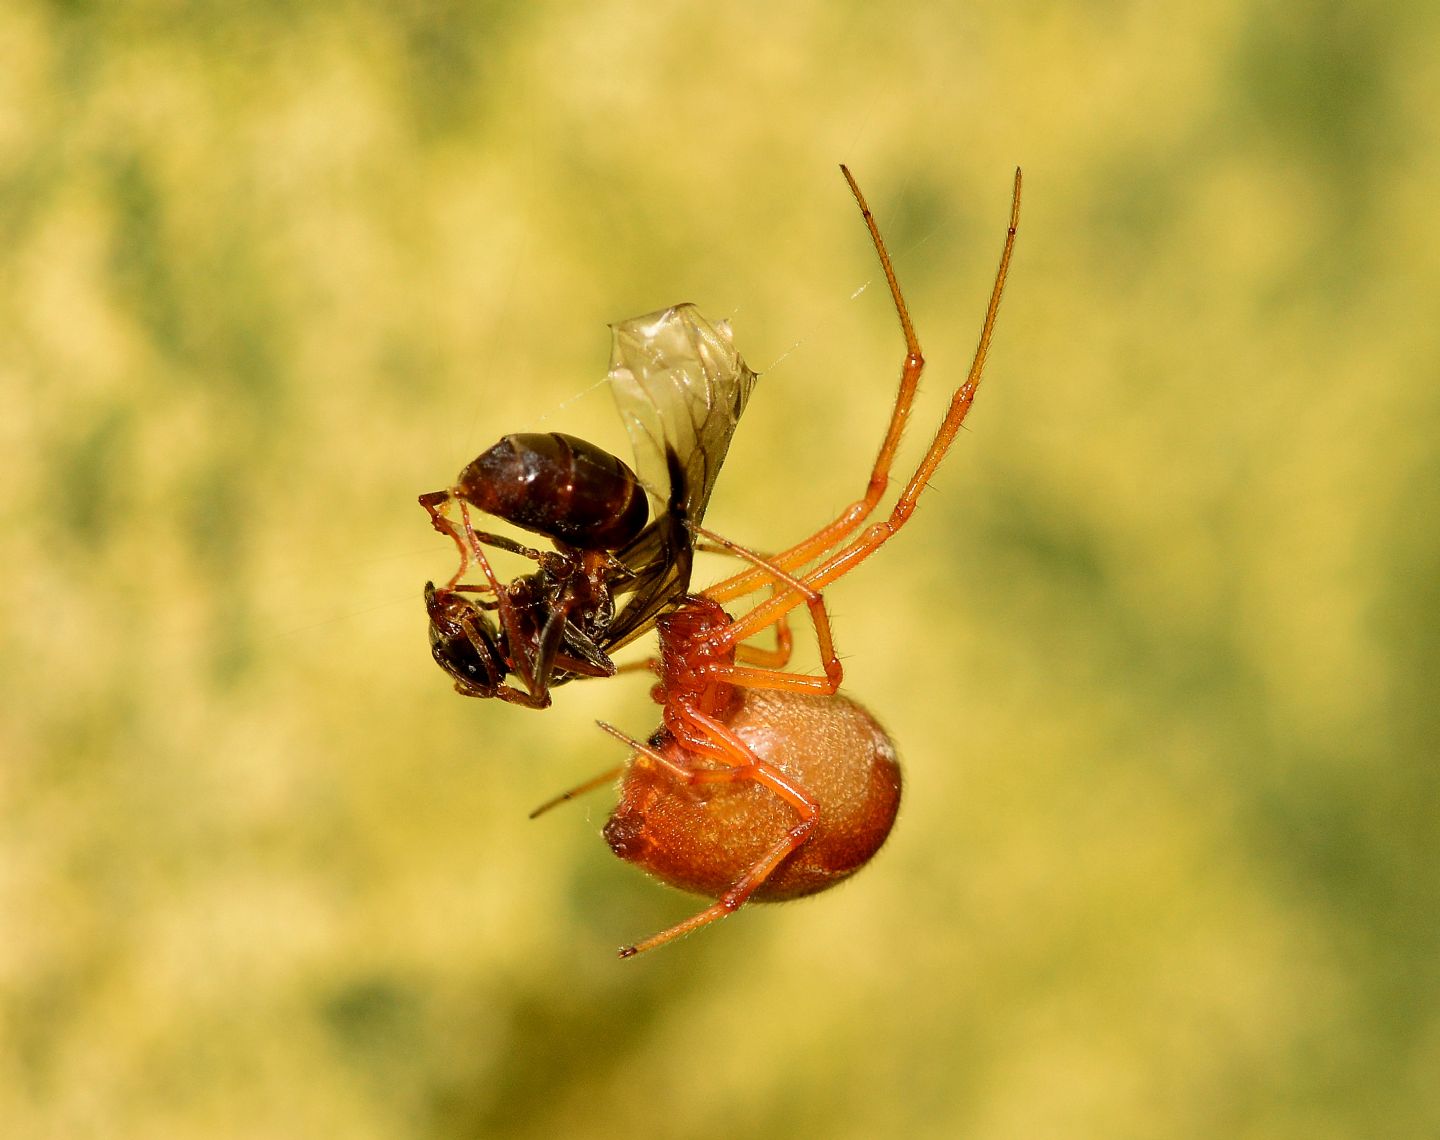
(704,837)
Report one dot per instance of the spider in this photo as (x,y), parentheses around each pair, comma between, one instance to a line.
(681,387)
(761,783)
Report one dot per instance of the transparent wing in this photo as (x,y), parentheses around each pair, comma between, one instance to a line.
(680,387)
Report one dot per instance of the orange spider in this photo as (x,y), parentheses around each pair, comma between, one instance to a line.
(760,783)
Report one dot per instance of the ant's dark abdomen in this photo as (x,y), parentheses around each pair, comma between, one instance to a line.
(560,486)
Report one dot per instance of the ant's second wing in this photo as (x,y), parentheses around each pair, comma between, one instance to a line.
(680,386)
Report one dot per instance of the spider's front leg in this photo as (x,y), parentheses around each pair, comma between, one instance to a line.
(738,764)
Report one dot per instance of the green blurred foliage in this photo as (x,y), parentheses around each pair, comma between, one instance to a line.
(1160,646)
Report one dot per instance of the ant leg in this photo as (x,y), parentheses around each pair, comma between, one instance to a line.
(522,665)
(745,765)
(547,657)
(434,503)
(500,542)
(506,693)
(472,588)
(546,648)
(842,561)
(534,666)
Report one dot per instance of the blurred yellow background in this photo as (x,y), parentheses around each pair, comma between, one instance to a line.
(1159,648)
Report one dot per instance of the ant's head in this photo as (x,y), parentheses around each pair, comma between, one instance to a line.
(464,639)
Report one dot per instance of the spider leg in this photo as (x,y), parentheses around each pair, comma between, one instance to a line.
(578,790)
(856,513)
(773,677)
(840,562)
(739,763)
(778,657)
(774,659)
